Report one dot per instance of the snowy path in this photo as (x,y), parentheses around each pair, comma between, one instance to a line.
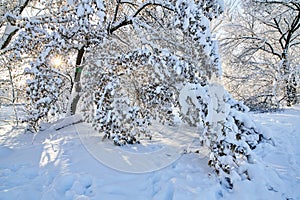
(58,166)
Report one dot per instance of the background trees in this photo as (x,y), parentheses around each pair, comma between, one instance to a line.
(261,45)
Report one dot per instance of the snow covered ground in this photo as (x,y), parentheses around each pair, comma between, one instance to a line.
(65,164)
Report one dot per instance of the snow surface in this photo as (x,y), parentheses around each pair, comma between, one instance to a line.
(57,164)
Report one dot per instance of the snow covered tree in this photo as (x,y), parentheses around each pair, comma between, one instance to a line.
(263,43)
(46,34)
(11,82)
(132,62)
(139,85)
(154,96)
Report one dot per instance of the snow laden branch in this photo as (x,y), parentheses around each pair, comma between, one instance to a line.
(129,19)
(11,26)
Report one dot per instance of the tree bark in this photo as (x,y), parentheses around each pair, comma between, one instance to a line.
(77,87)
(290,84)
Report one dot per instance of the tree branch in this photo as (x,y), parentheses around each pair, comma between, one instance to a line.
(116,11)
(8,39)
(128,20)
(10,35)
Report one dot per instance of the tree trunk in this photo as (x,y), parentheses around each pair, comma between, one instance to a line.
(13,100)
(77,87)
(290,83)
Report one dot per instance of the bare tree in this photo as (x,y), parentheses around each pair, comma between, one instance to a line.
(263,43)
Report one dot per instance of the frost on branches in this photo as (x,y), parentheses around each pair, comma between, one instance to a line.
(134,63)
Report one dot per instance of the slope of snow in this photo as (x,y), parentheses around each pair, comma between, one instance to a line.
(57,164)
